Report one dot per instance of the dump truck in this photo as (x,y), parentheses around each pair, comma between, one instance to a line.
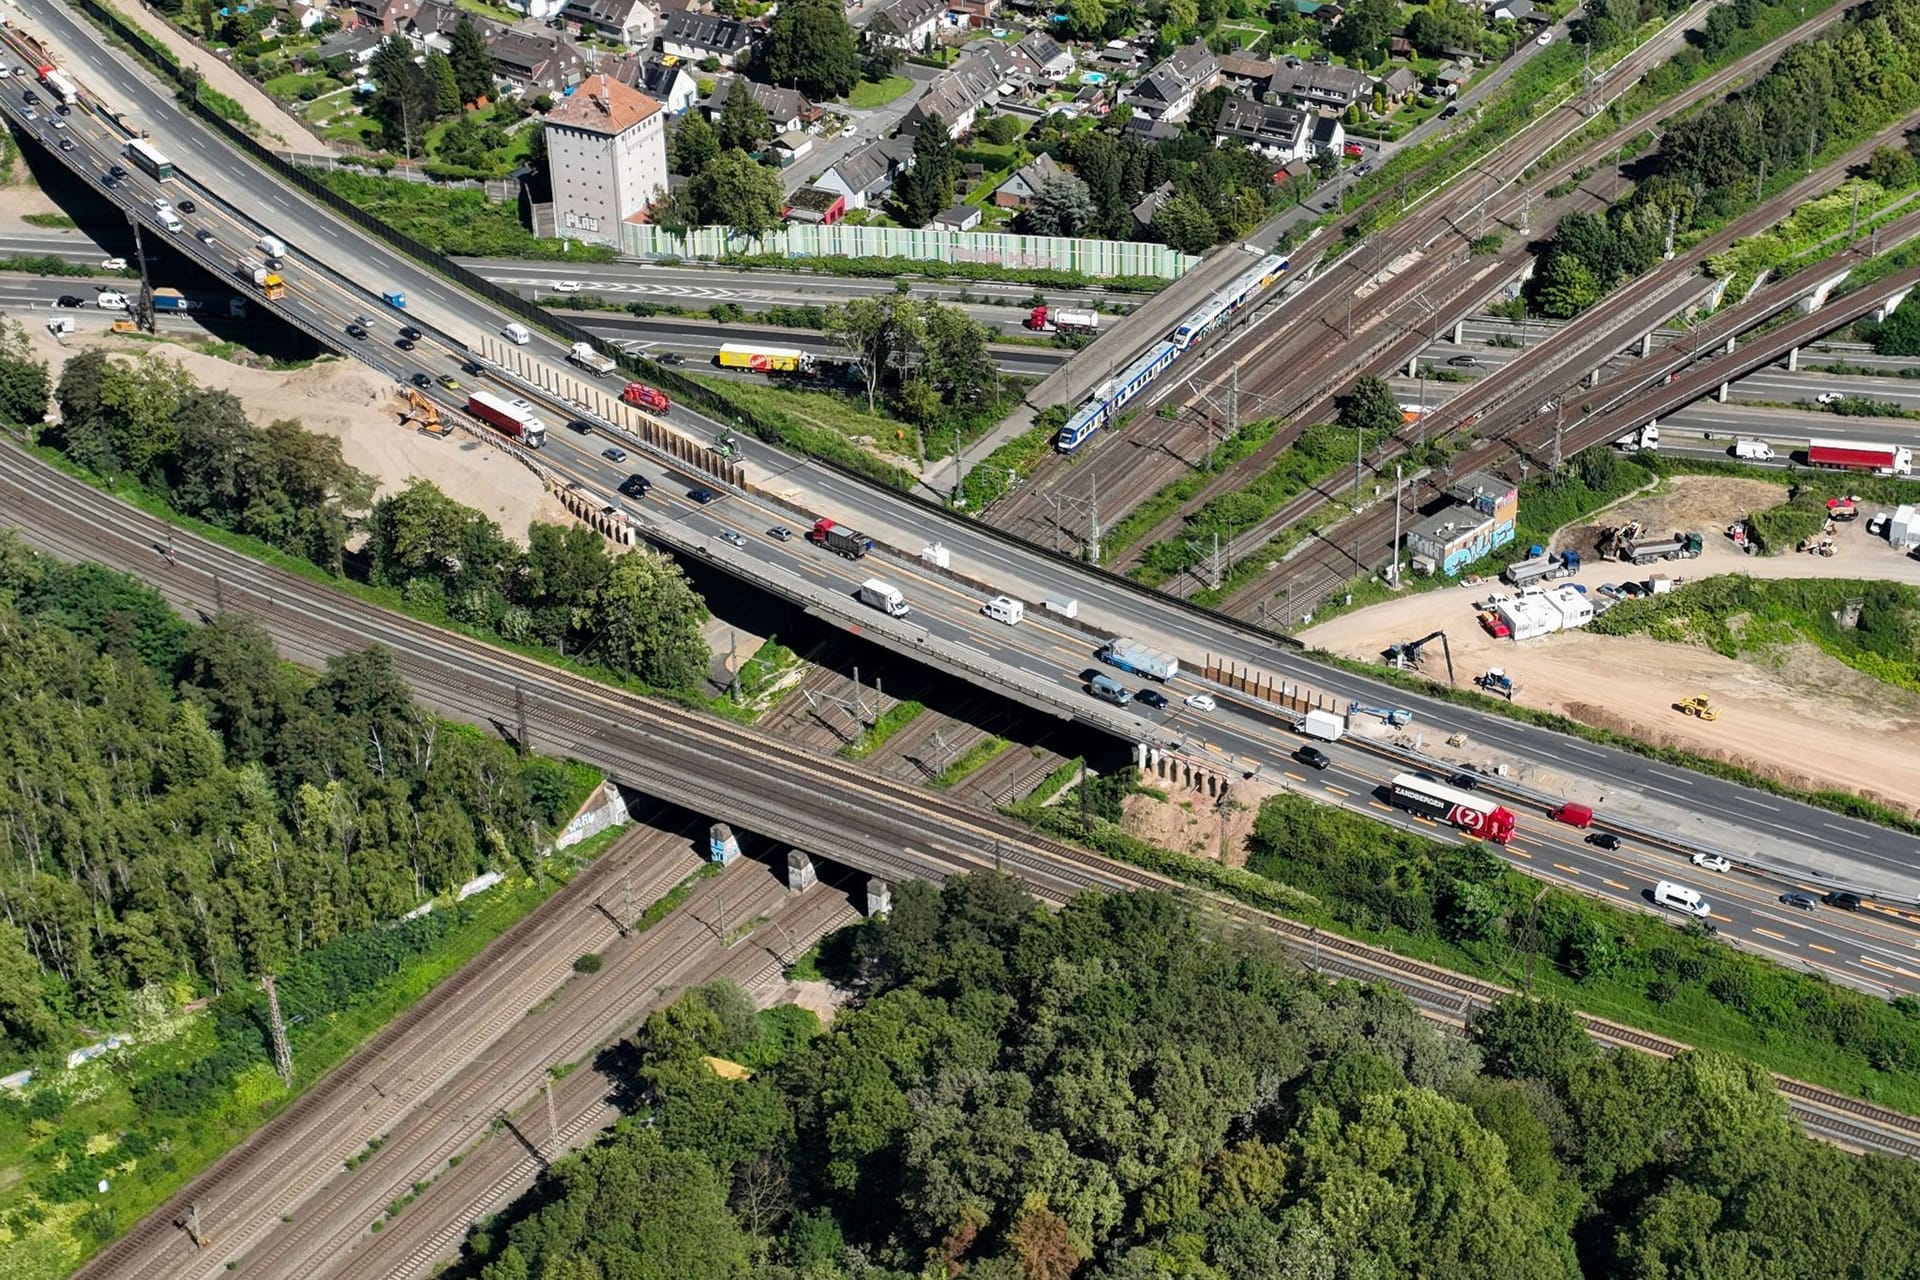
(642,396)
(1681,546)
(1131,655)
(839,539)
(1541,568)
(583,354)
(1063,320)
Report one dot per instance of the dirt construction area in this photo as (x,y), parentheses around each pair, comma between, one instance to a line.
(347,400)
(1794,715)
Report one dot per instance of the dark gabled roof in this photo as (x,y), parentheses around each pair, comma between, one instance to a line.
(1311,79)
(1040,48)
(1172,79)
(1324,128)
(356,40)
(1258,122)
(871,165)
(905,15)
(781,104)
(707,31)
(600,13)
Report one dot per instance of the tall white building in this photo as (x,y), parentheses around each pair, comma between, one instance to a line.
(607,157)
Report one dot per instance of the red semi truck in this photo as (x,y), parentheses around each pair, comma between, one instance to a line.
(839,539)
(1471,813)
(516,418)
(1063,320)
(1848,455)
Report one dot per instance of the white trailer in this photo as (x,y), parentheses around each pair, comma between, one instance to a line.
(1528,617)
(1572,605)
(1328,726)
(1903,531)
(883,597)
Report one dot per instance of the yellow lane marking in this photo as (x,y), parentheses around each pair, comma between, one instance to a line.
(1381,807)
(1339,791)
(1521,853)
(1296,777)
(1817,947)
(1890,968)
(1615,884)
(1777,937)
(1561,866)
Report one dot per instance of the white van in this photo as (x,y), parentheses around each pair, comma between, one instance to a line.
(1753,450)
(1006,609)
(1681,898)
(171,221)
(518,334)
(111,300)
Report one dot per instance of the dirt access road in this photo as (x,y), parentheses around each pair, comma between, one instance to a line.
(1794,715)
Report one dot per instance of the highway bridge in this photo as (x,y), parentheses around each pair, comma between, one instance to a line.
(335,273)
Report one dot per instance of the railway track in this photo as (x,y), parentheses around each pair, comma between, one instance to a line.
(1315,350)
(935,835)
(1523,390)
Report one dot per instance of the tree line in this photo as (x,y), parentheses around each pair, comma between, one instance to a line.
(148,422)
(183,809)
(1127,1090)
(1856,77)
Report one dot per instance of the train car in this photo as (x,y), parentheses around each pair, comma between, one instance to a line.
(1114,394)
(1195,328)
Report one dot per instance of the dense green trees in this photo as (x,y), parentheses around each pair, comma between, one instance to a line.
(236,813)
(931,360)
(1121,1091)
(1220,192)
(811,47)
(193,446)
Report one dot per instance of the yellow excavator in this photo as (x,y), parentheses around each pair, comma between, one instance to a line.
(427,414)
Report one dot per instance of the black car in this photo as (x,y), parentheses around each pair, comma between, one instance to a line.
(405,344)
(68,300)
(410,333)
(355,331)
(1313,757)
(187,206)
(116,171)
(1464,781)
(422,381)
(66,144)
(670,357)
(1802,901)
(1844,901)
(31,98)
(636,486)
(1604,840)
(63,109)
(204,236)
(1158,701)
(705,497)
(1450,112)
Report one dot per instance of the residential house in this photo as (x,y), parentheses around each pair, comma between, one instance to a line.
(816,205)
(628,21)
(968,15)
(1517,11)
(666,80)
(866,177)
(962,217)
(1399,85)
(1251,76)
(1118,57)
(1315,84)
(1092,99)
(1167,92)
(958,95)
(384,16)
(1329,135)
(787,108)
(1050,61)
(536,64)
(356,45)
(1145,128)
(1450,80)
(1018,192)
(1149,207)
(790,145)
(431,27)
(914,23)
(696,36)
(1280,133)
(606,158)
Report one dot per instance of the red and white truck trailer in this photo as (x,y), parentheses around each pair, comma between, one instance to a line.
(517,418)
(1063,320)
(1471,813)
(1850,455)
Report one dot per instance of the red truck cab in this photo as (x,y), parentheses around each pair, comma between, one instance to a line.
(646,397)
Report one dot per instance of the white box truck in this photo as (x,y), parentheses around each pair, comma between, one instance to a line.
(1328,726)
(1903,531)
(885,598)
(1006,609)
(272,246)
(1753,451)
(518,334)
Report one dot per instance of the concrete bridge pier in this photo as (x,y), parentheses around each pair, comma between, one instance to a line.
(1413,365)
(1725,393)
(1817,298)
(721,846)
(800,871)
(1459,332)
(1646,344)
(1182,772)
(1887,308)
(1793,360)
(879,897)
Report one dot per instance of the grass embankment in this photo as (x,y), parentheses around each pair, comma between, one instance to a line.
(969,762)
(1735,616)
(997,474)
(459,222)
(891,721)
(1244,443)
(869,94)
(193,1085)
(1457,904)
(1312,460)
(820,424)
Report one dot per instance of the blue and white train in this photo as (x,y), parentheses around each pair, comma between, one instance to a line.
(1244,293)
